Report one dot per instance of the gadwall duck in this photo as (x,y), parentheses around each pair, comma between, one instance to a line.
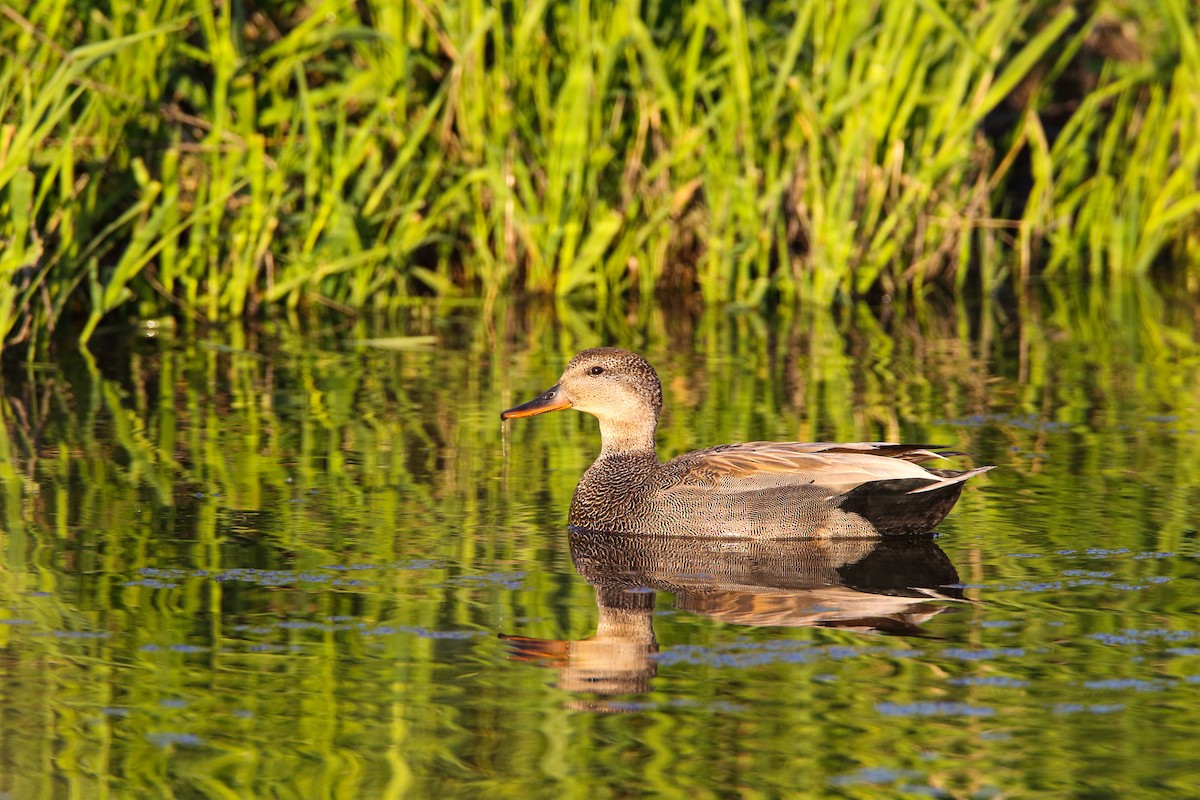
(752,490)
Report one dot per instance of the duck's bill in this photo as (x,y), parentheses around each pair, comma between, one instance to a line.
(553,399)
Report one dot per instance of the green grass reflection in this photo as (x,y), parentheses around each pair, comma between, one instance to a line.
(274,563)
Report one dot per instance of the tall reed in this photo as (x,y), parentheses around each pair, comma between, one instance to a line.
(207,160)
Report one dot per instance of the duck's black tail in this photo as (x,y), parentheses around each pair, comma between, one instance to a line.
(898,507)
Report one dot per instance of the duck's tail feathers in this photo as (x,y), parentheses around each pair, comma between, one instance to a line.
(949,478)
(905,506)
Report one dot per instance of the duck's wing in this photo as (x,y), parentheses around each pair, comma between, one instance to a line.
(916,453)
(835,467)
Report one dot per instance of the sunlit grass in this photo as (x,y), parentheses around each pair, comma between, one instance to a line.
(207,160)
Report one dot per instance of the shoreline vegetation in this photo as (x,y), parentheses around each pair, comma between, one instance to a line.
(211,161)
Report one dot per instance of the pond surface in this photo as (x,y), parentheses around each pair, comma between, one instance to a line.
(315,565)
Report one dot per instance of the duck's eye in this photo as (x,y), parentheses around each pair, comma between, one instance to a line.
(596,371)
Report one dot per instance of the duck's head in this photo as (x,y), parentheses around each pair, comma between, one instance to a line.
(616,386)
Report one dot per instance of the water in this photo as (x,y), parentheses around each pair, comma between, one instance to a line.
(314,565)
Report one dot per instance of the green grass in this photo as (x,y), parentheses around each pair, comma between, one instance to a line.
(209,161)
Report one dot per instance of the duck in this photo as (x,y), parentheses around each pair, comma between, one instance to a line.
(751,490)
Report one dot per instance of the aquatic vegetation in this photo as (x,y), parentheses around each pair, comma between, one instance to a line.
(209,160)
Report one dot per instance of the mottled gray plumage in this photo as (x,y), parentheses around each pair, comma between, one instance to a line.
(756,490)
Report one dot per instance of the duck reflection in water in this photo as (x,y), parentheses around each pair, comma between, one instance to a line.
(888,586)
(763,490)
